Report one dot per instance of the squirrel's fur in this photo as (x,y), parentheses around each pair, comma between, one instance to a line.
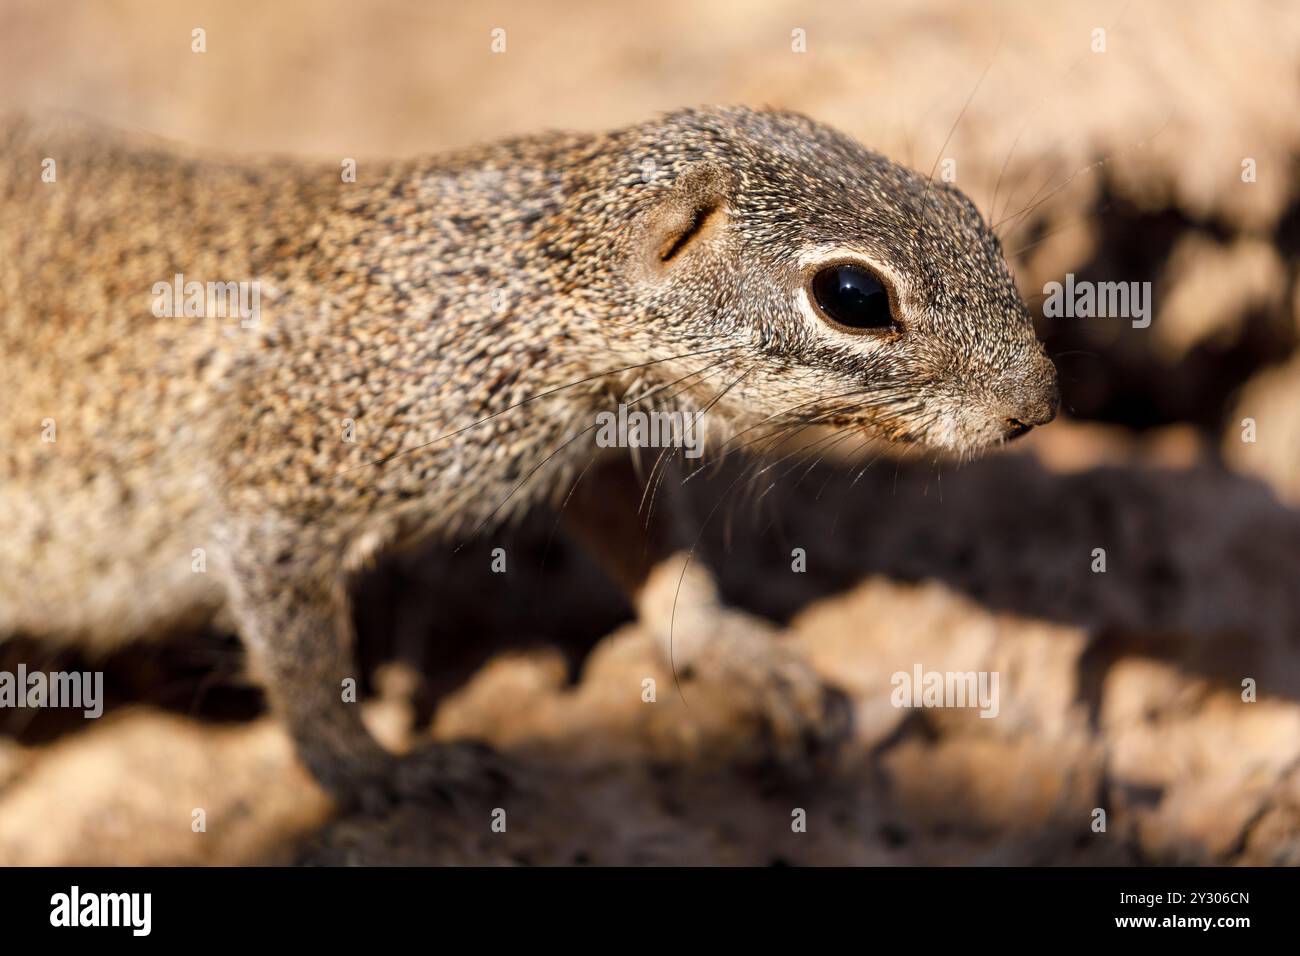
(434,341)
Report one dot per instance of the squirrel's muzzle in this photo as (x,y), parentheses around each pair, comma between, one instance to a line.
(1037,402)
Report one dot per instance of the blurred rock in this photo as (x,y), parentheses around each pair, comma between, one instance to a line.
(1271,401)
(124,792)
(1212,290)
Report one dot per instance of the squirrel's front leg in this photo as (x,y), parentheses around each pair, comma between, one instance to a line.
(649,551)
(288,591)
(291,607)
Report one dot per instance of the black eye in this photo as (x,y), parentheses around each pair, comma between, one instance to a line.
(850,295)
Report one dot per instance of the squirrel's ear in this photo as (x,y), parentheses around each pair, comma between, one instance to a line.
(682,218)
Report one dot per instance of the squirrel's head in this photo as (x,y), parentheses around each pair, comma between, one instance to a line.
(841,287)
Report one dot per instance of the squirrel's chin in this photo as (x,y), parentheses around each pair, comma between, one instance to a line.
(957,450)
(953,446)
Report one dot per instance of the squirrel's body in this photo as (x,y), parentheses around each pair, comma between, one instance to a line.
(101,523)
(96,519)
(432,344)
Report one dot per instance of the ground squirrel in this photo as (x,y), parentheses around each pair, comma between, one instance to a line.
(433,343)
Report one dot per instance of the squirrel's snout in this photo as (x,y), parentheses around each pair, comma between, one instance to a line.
(1036,404)
(1043,409)
(1040,406)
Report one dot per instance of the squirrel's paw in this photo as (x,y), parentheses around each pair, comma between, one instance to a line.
(800,720)
(738,661)
(453,775)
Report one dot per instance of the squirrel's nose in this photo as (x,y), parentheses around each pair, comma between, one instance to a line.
(1043,409)
(1049,400)
(1038,408)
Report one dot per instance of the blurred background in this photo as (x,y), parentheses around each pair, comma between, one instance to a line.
(1120,691)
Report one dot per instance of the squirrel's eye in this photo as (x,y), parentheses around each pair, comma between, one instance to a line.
(849,295)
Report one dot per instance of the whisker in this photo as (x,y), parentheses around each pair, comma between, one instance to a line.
(929,180)
(1073,66)
(1082,170)
(532,398)
(538,467)
(1069,225)
(559,514)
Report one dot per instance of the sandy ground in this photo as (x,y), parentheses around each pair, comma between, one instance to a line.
(1121,691)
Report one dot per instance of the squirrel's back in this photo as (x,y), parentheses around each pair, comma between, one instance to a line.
(105,394)
(114,392)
